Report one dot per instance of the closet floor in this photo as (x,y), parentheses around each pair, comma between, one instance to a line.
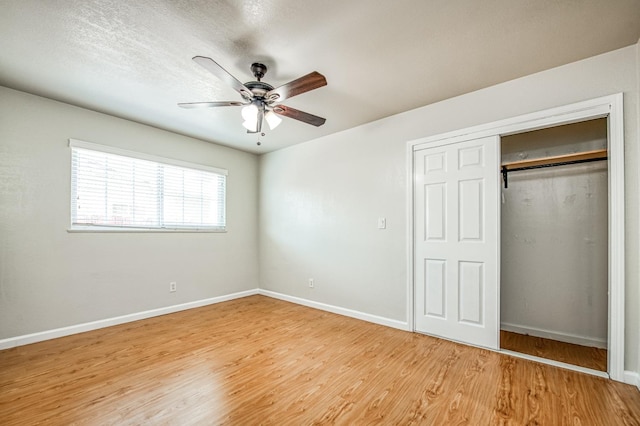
(583,356)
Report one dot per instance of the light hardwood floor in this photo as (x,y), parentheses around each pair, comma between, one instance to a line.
(584,356)
(263,361)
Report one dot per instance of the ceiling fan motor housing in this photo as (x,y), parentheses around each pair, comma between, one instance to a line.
(258,88)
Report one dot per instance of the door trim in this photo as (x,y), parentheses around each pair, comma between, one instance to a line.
(610,107)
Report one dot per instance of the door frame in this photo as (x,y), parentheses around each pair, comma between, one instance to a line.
(610,107)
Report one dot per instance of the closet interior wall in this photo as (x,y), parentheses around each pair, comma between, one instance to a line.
(554,238)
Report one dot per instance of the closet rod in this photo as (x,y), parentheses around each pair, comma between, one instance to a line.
(559,160)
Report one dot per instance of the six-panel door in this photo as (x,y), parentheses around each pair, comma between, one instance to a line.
(456,239)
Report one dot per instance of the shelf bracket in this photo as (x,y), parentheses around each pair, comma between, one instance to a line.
(505,176)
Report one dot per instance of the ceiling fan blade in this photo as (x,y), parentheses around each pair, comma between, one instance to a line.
(214,68)
(296,87)
(210,104)
(299,115)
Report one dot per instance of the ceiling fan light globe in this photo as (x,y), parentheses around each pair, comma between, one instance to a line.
(272,119)
(251,126)
(250,113)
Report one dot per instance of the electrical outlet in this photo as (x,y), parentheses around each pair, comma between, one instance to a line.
(310,282)
(173,286)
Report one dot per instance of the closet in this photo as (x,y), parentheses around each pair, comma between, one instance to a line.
(554,244)
(543,258)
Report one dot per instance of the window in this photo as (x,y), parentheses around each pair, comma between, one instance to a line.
(113,189)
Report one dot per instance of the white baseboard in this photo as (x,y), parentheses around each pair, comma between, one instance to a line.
(555,335)
(401,325)
(632,378)
(26,339)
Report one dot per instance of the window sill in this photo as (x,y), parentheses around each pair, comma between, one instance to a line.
(143,230)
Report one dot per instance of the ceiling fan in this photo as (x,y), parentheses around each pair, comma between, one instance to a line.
(260,100)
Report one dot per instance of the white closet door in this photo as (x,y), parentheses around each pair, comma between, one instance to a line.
(456,188)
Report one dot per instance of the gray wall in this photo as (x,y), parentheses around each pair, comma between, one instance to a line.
(319,201)
(50,278)
(553,279)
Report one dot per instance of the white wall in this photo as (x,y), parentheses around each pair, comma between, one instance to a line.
(554,239)
(319,201)
(50,278)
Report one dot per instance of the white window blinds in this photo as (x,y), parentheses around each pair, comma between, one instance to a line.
(117,189)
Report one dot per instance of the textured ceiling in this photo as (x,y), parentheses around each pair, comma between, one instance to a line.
(132,59)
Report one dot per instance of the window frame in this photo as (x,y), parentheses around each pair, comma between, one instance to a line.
(75,143)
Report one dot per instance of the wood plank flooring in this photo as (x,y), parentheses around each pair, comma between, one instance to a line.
(588,357)
(259,360)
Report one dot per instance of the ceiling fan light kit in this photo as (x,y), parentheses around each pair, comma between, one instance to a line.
(251,113)
(260,97)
